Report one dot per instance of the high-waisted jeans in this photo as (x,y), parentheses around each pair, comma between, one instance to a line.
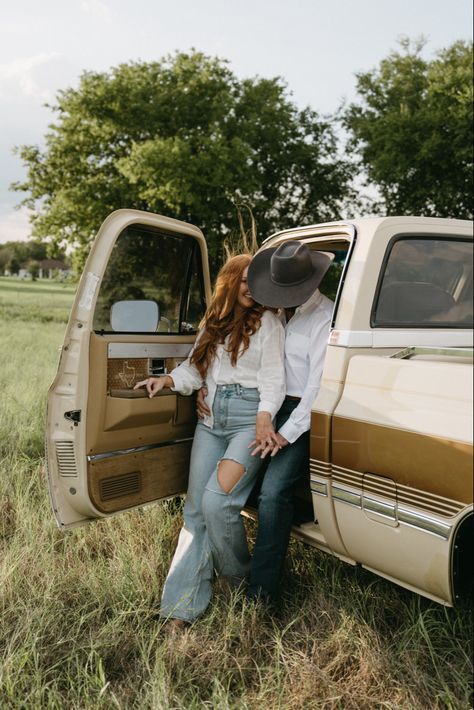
(213,535)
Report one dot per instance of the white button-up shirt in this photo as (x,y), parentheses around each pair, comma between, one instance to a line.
(260,366)
(305,349)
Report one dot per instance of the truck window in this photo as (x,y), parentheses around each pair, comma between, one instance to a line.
(425,283)
(146,265)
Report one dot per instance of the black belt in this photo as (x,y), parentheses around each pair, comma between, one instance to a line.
(293,399)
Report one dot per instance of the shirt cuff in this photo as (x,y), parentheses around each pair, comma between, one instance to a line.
(179,383)
(290,431)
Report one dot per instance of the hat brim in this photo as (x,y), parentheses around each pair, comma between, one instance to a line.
(268,293)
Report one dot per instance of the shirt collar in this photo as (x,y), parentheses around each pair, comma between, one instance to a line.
(313,300)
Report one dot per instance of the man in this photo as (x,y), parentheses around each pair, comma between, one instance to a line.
(288,277)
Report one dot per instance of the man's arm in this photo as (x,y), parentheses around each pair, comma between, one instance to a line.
(299,420)
(202,410)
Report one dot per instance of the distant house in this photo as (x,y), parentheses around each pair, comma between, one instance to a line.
(47,267)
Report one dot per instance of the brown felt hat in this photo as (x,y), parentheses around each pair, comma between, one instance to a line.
(287,275)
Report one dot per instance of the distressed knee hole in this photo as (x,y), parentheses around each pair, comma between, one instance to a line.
(229,473)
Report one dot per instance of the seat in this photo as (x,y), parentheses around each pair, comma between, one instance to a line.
(412,303)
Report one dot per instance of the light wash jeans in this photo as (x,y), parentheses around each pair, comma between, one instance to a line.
(213,535)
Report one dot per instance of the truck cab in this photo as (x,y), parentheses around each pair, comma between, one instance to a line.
(391,435)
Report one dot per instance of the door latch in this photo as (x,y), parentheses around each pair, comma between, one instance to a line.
(73,416)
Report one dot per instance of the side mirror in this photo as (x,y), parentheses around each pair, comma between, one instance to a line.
(135,316)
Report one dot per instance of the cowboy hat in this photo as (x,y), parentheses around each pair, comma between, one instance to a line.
(287,275)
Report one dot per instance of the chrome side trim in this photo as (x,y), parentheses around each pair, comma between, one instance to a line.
(430,503)
(425,523)
(409,517)
(137,449)
(388,507)
(144,350)
(347,497)
(378,506)
(319,488)
(448,352)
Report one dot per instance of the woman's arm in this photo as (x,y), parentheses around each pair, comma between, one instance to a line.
(183,379)
(155,384)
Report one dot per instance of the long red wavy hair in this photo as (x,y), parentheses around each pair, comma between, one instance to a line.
(223,319)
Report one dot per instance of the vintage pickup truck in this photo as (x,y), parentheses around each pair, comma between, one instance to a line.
(389,482)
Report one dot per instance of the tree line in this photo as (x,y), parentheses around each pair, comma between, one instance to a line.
(185,137)
(15,255)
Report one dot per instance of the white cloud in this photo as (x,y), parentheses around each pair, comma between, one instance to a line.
(17,78)
(14,226)
(96,8)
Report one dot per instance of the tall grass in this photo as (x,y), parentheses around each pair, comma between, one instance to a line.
(40,301)
(79,626)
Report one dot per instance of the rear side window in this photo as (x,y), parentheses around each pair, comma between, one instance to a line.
(152,269)
(425,283)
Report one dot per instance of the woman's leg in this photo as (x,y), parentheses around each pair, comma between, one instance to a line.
(228,489)
(188,586)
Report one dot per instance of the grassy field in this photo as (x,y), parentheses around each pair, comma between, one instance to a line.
(78,610)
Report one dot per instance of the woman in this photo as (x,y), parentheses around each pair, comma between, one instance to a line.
(239,354)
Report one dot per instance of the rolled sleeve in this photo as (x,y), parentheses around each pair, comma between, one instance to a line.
(186,377)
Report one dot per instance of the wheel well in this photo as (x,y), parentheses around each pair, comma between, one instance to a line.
(462,560)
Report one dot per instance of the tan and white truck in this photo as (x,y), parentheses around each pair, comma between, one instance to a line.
(390,479)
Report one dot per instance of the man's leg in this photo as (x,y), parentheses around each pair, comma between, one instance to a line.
(275,514)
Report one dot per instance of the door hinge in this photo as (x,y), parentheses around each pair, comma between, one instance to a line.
(73,416)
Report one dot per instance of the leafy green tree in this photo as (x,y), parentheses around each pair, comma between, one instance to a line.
(186,138)
(6,255)
(412,130)
(32,249)
(14,266)
(33,268)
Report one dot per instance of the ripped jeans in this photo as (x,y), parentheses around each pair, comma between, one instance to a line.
(213,534)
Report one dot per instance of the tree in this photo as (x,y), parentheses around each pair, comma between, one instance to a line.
(412,130)
(33,268)
(186,138)
(6,255)
(13,266)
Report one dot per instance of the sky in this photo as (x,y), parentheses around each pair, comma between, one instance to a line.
(316,47)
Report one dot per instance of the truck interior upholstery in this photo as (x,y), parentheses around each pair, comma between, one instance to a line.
(416,302)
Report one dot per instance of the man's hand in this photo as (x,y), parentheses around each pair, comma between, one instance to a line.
(272,444)
(202,410)
(265,440)
(281,443)
(155,384)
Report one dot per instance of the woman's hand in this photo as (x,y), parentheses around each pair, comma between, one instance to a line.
(155,384)
(265,437)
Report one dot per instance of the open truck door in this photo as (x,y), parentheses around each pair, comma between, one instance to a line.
(141,297)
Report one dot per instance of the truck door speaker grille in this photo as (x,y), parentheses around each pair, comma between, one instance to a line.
(66,458)
(118,486)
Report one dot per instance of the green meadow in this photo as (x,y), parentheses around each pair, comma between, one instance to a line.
(79,626)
